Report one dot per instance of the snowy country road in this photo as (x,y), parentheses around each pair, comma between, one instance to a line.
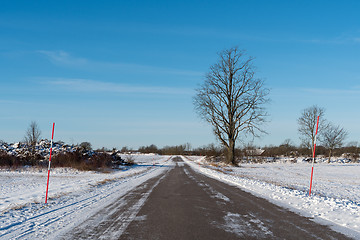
(183,204)
(162,197)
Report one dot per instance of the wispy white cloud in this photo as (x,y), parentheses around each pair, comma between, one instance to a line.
(65,58)
(356,39)
(87,85)
(344,38)
(324,91)
(4,101)
(62,57)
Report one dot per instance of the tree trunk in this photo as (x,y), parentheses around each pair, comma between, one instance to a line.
(231,152)
(329,156)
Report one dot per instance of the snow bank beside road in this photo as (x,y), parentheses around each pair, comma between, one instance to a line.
(61,214)
(27,185)
(336,189)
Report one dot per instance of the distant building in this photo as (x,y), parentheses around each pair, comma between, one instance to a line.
(254,152)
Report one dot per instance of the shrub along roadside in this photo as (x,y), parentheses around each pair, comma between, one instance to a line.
(79,160)
(7,160)
(82,161)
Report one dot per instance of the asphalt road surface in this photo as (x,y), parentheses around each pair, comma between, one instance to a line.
(183,204)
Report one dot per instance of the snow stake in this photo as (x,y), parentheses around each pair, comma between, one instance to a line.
(312,167)
(47,185)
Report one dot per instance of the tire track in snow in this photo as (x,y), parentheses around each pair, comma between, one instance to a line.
(113,219)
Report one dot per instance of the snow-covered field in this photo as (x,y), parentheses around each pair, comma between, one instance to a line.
(335,198)
(24,215)
(28,185)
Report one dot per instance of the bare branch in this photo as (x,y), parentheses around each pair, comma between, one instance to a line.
(307,125)
(333,137)
(32,135)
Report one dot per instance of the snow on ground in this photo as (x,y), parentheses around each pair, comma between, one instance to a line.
(28,185)
(335,198)
(73,196)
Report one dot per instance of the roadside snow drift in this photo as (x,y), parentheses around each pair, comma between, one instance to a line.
(73,196)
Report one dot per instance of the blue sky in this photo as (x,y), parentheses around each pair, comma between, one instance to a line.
(123,73)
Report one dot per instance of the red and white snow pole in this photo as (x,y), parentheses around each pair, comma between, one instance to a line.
(313,160)
(47,185)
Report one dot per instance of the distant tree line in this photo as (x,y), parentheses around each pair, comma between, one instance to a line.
(255,153)
(351,151)
(182,149)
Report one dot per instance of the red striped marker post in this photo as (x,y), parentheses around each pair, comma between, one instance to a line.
(312,167)
(47,185)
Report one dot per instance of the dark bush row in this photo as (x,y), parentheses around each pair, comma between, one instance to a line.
(7,160)
(78,160)
(81,161)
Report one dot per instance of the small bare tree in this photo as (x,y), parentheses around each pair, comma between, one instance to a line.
(86,146)
(353,148)
(130,159)
(232,99)
(307,125)
(333,137)
(32,135)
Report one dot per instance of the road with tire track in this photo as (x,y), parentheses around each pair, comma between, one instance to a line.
(183,204)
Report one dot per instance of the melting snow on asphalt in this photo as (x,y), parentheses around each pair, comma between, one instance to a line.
(245,225)
(335,198)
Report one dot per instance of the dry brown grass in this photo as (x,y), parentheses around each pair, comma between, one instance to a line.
(105,181)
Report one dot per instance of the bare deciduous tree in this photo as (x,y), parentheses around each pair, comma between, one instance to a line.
(32,135)
(86,146)
(353,147)
(333,137)
(232,99)
(307,125)
(130,159)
